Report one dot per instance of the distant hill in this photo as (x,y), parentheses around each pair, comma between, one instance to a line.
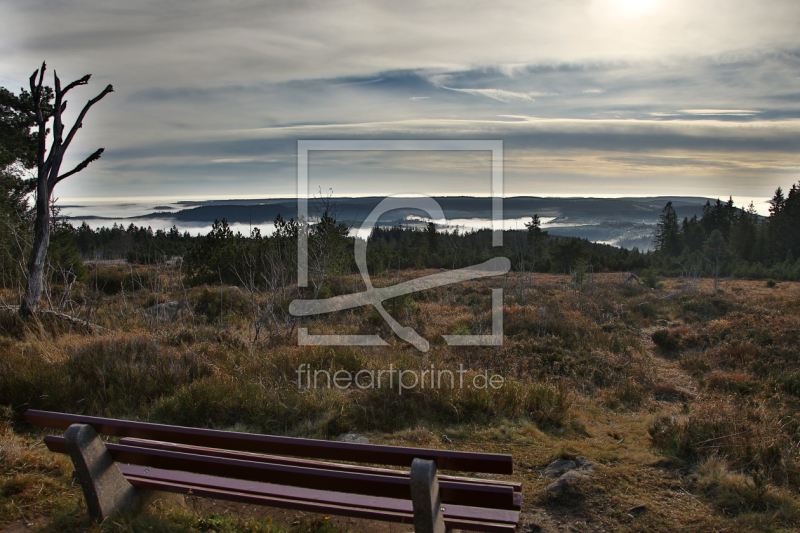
(626,222)
(566,210)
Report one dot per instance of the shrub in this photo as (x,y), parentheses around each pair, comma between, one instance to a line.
(771,283)
(651,278)
(120,375)
(213,302)
(11,325)
(628,394)
(462,329)
(665,340)
(222,402)
(732,382)
(325,292)
(707,307)
(108,280)
(647,310)
(736,432)
(114,280)
(791,384)
(734,493)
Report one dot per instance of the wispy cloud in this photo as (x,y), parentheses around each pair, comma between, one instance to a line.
(500,95)
(212,98)
(720,112)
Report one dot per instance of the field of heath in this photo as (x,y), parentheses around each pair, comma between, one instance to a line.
(678,407)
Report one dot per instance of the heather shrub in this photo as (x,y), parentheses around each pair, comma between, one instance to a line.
(739,433)
(664,340)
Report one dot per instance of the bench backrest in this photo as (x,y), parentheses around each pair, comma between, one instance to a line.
(488,463)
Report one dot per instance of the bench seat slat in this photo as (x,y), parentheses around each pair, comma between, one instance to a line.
(311,495)
(215,452)
(292,446)
(389,486)
(340,510)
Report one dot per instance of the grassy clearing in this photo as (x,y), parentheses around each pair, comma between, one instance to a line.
(686,401)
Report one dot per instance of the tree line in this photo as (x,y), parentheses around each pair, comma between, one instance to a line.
(730,241)
(725,241)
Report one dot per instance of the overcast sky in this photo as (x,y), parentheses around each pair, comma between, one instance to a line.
(591,97)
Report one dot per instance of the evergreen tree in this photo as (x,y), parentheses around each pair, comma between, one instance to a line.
(668,233)
(567,253)
(18,152)
(719,216)
(791,213)
(535,236)
(692,234)
(433,238)
(783,231)
(744,233)
(777,203)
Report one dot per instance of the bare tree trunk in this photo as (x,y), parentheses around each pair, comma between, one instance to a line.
(41,240)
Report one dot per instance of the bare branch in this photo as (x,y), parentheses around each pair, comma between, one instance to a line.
(36,88)
(94,157)
(41,74)
(33,82)
(78,123)
(36,93)
(83,81)
(58,128)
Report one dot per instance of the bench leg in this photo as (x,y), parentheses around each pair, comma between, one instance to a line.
(425,498)
(106,490)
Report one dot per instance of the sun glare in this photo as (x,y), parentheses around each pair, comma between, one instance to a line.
(628,8)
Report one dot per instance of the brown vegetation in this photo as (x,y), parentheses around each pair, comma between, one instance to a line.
(686,400)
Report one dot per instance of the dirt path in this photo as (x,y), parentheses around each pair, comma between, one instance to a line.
(670,377)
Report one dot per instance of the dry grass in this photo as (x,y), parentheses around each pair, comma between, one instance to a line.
(582,376)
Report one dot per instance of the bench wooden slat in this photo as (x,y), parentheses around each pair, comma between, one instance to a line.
(467,494)
(340,510)
(291,446)
(311,495)
(57,445)
(517,486)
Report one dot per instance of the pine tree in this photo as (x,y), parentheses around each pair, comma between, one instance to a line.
(535,236)
(433,238)
(777,203)
(743,233)
(668,233)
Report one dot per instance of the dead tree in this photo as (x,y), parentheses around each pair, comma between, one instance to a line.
(48,175)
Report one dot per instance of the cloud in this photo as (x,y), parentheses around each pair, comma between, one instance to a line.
(213,97)
(496,94)
(722,112)
(244,160)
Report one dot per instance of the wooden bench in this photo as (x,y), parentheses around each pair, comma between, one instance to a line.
(154,459)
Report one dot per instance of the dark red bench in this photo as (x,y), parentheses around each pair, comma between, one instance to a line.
(153,459)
